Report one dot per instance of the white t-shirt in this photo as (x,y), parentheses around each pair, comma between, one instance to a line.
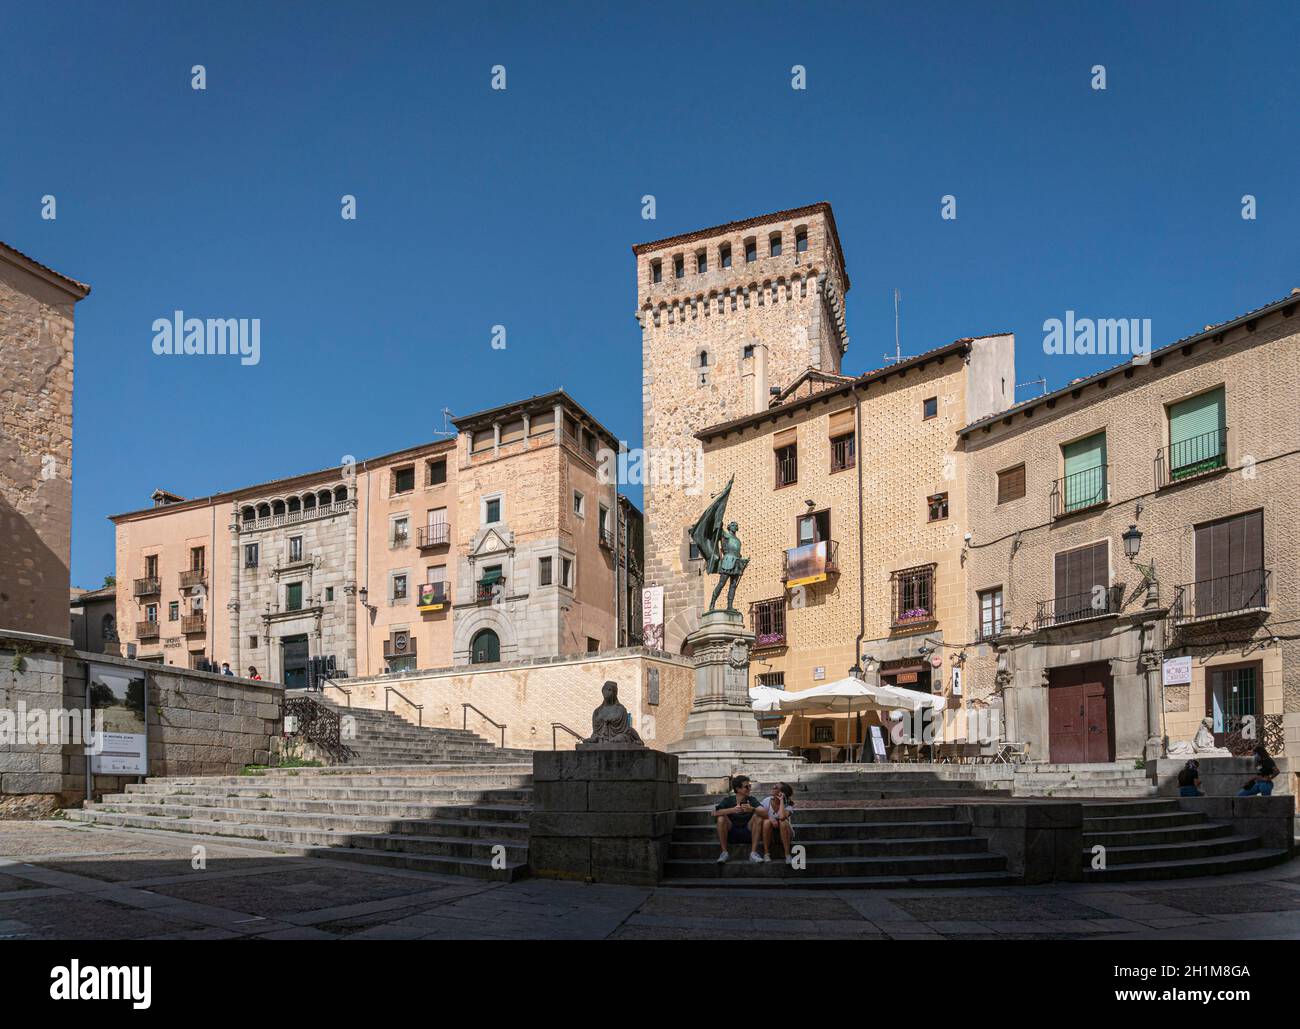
(787,808)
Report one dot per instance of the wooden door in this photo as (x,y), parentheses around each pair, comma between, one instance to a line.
(1079,714)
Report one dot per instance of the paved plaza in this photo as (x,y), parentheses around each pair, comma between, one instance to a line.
(64,881)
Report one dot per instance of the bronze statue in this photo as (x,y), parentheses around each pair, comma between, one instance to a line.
(610,723)
(720,547)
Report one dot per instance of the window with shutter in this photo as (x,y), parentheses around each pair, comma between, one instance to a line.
(1011,484)
(1197,435)
(1084,484)
(1082,583)
(1230,573)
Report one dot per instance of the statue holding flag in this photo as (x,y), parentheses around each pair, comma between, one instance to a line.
(721,547)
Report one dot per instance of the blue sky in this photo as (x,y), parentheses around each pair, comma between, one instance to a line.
(479,207)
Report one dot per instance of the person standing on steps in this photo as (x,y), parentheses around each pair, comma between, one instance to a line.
(1261,783)
(739,821)
(1189,780)
(778,809)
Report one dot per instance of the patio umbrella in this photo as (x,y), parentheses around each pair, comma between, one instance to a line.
(851,695)
(765,698)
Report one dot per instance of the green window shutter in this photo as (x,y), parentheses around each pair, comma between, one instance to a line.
(1196,434)
(1085,472)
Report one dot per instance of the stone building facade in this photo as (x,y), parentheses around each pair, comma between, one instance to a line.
(378,564)
(536,533)
(1198,450)
(851,500)
(726,314)
(36,330)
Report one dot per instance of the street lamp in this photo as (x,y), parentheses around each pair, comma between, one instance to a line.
(1132,538)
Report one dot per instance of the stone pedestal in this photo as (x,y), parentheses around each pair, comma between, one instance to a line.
(721,737)
(602,814)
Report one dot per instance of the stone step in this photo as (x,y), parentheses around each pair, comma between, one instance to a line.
(839,848)
(335,772)
(706,816)
(844,831)
(1083,790)
(224,834)
(459,847)
(1146,853)
(515,831)
(776,875)
(1134,823)
(1175,834)
(1102,809)
(904,866)
(492,813)
(1244,861)
(450,795)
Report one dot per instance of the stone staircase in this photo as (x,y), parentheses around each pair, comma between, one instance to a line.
(1064,781)
(847,843)
(453,819)
(386,738)
(1156,839)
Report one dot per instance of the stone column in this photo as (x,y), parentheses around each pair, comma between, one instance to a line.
(232,602)
(721,736)
(350,578)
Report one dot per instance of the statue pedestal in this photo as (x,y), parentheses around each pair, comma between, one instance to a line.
(602,814)
(721,737)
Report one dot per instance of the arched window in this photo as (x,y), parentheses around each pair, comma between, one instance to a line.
(326,498)
(295,505)
(277,507)
(704,358)
(341,495)
(248,514)
(309,502)
(485,648)
(263,510)
(108,628)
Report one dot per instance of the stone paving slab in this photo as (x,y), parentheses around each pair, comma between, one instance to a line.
(59,881)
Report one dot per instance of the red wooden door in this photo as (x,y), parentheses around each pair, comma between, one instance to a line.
(1079,715)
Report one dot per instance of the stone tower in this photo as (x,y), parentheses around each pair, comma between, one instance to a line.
(727,315)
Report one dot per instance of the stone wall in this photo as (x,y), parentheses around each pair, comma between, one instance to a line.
(36,325)
(198,724)
(527,696)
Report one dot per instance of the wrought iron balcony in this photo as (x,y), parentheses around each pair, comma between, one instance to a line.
(486,592)
(607,539)
(813,562)
(147,587)
(1077,607)
(1191,458)
(767,617)
(1226,595)
(192,577)
(913,596)
(438,535)
(194,623)
(1080,491)
(432,595)
(399,539)
(146,630)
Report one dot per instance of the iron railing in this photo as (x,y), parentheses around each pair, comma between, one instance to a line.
(912,590)
(811,560)
(1190,458)
(1225,595)
(193,577)
(1075,607)
(843,454)
(1080,491)
(1247,732)
(465,709)
(419,708)
(767,617)
(146,630)
(607,539)
(560,725)
(147,586)
(486,592)
(787,466)
(317,724)
(194,623)
(436,535)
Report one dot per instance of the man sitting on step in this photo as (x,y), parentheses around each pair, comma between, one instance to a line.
(739,821)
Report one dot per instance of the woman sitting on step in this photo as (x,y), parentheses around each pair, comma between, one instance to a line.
(777,810)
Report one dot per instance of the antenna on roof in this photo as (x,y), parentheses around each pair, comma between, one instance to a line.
(446,418)
(898,352)
(1040,381)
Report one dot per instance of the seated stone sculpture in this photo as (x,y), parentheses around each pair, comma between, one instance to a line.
(611,726)
(1200,745)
